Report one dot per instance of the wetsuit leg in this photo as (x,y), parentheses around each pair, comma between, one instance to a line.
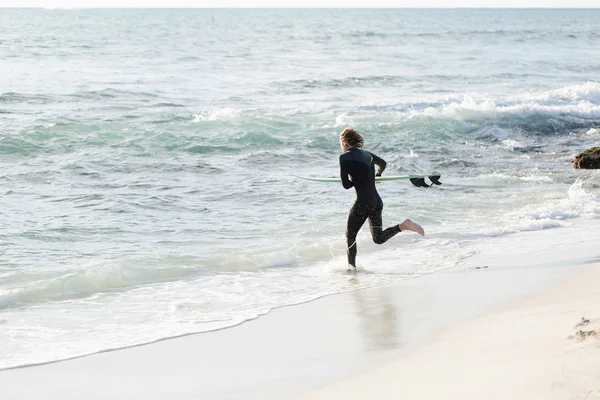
(379,235)
(356,218)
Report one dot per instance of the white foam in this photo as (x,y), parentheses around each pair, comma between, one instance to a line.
(495,178)
(512,144)
(556,213)
(579,203)
(218,114)
(156,311)
(90,280)
(343,120)
(537,178)
(581,101)
(593,132)
(588,92)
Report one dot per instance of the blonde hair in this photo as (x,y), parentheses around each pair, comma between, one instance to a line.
(352,137)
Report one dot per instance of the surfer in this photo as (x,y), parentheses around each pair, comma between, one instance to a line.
(357,169)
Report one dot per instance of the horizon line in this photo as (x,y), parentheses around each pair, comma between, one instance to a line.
(299,7)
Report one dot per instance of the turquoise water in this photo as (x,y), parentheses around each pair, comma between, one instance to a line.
(148,157)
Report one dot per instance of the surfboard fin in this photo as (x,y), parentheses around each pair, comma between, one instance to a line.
(435,179)
(418,182)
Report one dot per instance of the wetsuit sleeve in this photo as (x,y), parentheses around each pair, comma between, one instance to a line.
(380,162)
(346,182)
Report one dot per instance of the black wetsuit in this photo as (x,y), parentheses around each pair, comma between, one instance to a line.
(359,165)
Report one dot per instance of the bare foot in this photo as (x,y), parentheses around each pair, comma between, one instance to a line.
(408,225)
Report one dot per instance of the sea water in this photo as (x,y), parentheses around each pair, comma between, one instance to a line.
(148,158)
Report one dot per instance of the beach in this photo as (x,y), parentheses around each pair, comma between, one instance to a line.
(544,347)
(157,240)
(475,332)
(149,167)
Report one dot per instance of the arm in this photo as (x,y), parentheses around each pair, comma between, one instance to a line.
(346,182)
(380,162)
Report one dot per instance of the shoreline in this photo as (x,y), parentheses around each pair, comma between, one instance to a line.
(291,350)
(545,345)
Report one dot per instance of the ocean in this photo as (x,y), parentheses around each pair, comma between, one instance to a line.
(148,158)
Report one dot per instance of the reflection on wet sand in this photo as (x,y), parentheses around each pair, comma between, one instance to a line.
(379,319)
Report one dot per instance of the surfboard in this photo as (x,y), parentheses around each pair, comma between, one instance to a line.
(417,180)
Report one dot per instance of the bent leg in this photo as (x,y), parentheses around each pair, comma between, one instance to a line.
(379,235)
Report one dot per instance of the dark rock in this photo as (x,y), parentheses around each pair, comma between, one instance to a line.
(589,159)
